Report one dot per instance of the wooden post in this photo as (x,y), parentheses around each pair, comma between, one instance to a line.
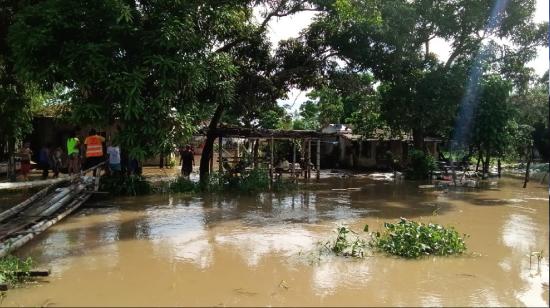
(293,158)
(271,160)
(220,154)
(238,151)
(308,158)
(318,159)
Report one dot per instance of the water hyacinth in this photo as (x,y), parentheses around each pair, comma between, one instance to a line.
(411,239)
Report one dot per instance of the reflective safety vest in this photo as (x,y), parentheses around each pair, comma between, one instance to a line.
(94,148)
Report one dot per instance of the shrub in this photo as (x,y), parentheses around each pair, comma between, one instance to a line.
(411,240)
(421,165)
(125,185)
(183,185)
(14,270)
(246,182)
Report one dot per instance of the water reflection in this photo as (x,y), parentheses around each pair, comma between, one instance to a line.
(199,250)
(252,244)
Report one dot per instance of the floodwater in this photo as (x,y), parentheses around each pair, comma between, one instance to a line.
(260,250)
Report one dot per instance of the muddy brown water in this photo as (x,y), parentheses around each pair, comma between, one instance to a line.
(256,250)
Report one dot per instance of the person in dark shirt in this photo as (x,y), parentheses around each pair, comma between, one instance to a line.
(187,161)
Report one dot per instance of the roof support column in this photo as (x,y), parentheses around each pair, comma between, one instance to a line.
(318,159)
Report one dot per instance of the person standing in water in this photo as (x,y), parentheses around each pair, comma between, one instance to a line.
(25,154)
(187,161)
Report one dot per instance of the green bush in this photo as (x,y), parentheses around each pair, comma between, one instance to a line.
(421,165)
(246,182)
(410,239)
(183,185)
(14,270)
(125,185)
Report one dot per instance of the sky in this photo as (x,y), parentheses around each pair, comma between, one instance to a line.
(287,27)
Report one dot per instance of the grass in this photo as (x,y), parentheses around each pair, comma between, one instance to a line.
(13,270)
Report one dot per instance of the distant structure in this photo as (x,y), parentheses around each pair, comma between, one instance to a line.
(348,150)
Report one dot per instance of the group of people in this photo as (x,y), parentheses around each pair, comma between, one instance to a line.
(89,153)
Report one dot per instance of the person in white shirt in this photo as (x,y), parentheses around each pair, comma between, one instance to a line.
(114,157)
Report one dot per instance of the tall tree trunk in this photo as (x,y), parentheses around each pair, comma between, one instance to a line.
(499,167)
(479,159)
(529,159)
(418,139)
(486,164)
(204,169)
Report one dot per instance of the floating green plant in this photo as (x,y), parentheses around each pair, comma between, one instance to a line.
(411,239)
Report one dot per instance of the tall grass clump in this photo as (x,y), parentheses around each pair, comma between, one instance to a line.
(14,270)
(125,185)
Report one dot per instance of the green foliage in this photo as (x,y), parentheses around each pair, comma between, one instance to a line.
(125,185)
(252,181)
(150,65)
(410,239)
(183,185)
(347,243)
(420,166)
(493,128)
(14,270)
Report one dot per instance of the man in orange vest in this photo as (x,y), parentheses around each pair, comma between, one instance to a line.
(94,149)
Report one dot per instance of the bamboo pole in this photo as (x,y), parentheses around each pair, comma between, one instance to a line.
(21,206)
(40,227)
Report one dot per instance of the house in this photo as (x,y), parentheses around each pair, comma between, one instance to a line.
(348,150)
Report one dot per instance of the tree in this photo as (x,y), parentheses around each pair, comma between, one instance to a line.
(391,39)
(147,64)
(15,102)
(493,119)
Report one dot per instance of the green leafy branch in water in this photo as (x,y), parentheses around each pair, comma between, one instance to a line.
(347,243)
(14,270)
(411,239)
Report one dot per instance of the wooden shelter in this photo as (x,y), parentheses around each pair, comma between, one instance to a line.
(307,138)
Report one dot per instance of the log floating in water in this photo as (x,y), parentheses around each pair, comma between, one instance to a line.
(36,273)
